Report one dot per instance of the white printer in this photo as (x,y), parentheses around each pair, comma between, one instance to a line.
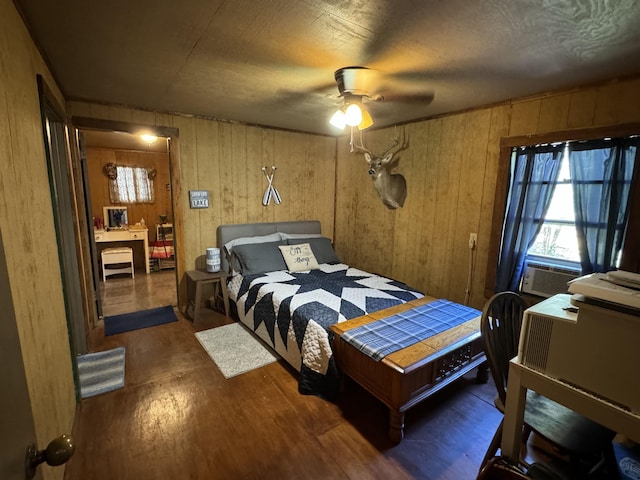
(588,340)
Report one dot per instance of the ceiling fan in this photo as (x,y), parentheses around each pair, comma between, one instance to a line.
(361,85)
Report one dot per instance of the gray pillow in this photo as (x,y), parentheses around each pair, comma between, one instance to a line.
(257,258)
(320,246)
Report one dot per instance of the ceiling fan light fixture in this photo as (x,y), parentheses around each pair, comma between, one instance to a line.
(366,122)
(353,115)
(339,119)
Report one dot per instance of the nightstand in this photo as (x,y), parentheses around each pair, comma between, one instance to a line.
(195,281)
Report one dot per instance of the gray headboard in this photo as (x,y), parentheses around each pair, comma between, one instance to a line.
(226,233)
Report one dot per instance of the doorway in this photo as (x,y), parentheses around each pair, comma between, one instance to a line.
(154,282)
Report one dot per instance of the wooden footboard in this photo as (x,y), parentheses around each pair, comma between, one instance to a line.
(408,376)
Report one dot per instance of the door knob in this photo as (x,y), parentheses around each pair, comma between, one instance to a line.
(58,451)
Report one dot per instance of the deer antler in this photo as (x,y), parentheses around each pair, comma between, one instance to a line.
(361,147)
(397,146)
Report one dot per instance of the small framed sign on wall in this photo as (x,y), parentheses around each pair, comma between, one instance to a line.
(199,198)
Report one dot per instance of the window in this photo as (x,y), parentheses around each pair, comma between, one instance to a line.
(131,185)
(557,242)
(557,188)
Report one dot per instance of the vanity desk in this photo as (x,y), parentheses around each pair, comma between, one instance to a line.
(120,235)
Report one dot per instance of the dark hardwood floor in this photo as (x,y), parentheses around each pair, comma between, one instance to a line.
(179,418)
(123,294)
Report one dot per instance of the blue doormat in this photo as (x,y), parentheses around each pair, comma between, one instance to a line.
(136,320)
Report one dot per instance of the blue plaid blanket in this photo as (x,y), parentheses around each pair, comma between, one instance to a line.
(385,336)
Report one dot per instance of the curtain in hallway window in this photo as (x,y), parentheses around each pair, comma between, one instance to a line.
(132,185)
(534,175)
(601,173)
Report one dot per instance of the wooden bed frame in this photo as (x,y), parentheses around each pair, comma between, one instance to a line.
(405,378)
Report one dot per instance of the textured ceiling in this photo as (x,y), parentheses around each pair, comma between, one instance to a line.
(271,62)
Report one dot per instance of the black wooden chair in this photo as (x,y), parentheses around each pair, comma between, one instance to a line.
(587,444)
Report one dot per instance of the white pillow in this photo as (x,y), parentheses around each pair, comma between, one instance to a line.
(299,258)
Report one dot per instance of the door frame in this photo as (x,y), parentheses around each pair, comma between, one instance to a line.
(66,211)
(172,134)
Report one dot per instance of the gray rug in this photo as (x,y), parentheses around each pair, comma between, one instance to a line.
(101,372)
(234,349)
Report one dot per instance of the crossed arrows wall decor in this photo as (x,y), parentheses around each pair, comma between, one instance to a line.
(271,191)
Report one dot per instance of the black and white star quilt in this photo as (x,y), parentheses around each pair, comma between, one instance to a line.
(292,312)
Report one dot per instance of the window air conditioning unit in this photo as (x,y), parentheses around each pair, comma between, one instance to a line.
(546,281)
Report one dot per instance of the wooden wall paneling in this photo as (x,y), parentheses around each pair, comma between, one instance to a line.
(617,102)
(357,186)
(302,166)
(208,178)
(554,112)
(448,186)
(328,186)
(29,241)
(191,248)
(228,175)
(320,193)
(469,202)
(487,237)
(345,206)
(145,117)
(239,154)
(425,221)
(414,204)
(301,158)
(524,117)
(255,161)
(314,168)
(582,107)
(297,176)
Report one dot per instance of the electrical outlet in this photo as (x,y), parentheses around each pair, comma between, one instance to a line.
(473,240)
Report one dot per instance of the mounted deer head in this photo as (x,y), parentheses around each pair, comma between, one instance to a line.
(392,187)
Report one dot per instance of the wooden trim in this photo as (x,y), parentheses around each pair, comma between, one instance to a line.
(118,126)
(623,130)
(499,206)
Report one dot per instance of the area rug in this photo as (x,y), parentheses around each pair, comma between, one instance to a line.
(234,349)
(101,372)
(136,320)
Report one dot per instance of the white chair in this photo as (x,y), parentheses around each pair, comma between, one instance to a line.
(115,256)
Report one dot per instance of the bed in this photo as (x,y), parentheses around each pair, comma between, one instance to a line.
(291,306)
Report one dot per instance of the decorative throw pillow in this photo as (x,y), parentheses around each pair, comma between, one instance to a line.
(299,257)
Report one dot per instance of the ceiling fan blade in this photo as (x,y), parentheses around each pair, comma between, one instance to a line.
(417,98)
